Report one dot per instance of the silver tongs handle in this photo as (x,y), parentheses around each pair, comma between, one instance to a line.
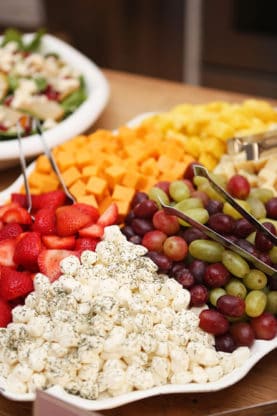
(253,145)
(201,171)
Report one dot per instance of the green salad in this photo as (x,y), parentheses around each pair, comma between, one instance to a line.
(35,85)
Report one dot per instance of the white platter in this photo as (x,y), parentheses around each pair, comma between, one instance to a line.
(97,97)
(258,351)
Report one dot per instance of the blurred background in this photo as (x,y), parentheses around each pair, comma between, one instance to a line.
(227,44)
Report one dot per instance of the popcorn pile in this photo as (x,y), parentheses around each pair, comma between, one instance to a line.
(108,326)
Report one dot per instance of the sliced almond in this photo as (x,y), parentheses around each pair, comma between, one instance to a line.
(9,115)
(4,85)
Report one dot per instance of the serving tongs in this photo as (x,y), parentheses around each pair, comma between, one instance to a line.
(253,145)
(37,127)
(201,171)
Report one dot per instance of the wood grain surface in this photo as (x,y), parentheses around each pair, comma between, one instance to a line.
(130,96)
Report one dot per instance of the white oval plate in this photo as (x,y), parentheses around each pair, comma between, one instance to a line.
(98,94)
(258,351)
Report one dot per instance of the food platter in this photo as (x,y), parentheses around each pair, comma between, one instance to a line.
(77,122)
(258,351)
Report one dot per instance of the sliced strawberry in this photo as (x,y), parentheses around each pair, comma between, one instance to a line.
(1,224)
(17,214)
(14,284)
(109,216)
(53,241)
(49,262)
(93,231)
(20,199)
(10,230)
(5,208)
(86,243)
(88,209)
(70,219)
(5,314)
(27,251)
(7,248)
(52,199)
(45,221)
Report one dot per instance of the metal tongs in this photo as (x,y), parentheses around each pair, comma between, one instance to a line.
(253,145)
(201,171)
(38,129)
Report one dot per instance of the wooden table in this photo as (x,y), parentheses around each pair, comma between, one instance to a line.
(130,96)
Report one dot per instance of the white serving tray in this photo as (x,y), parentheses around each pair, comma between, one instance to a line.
(258,351)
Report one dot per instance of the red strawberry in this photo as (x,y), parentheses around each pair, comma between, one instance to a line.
(5,208)
(20,199)
(7,248)
(93,230)
(88,209)
(5,314)
(27,251)
(10,231)
(70,219)
(86,243)
(45,221)
(52,199)
(109,216)
(17,214)
(53,241)
(49,262)
(14,284)
(1,225)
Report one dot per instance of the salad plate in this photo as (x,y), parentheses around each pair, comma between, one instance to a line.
(259,349)
(97,94)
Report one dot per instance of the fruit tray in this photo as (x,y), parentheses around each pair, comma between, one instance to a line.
(259,349)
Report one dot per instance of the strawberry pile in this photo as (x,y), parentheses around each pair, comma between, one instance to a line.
(38,241)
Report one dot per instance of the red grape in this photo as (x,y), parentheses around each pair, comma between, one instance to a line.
(175,248)
(213,322)
(264,326)
(199,295)
(243,333)
(216,275)
(243,228)
(141,226)
(200,195)
(138,197)
(136,239)
(213,206)
(271,208)
(128,231)
(190,234)
(197,268)
(153,240)
(169,224)
(164,263)
(164,186)
(231,305)
(221,223)
(238,186)
(146,209)
(185,277)
(189,173)
(225,343)
(129,217)
(262,242)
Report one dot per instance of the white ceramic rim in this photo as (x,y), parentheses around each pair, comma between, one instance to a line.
(98,94)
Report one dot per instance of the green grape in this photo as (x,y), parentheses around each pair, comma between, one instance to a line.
(255,280)
(189,203)
(206,250)
(178,190)
(215,294)
(271,304)
(235,287)
(199,180)
(157,194)
(255,303)
(228,209)
(273,254)
(251,238)
(263,194)
(199,214)
(236,265)
(257,207)
(210,191)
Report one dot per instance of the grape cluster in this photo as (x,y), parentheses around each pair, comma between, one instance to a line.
(242,299)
